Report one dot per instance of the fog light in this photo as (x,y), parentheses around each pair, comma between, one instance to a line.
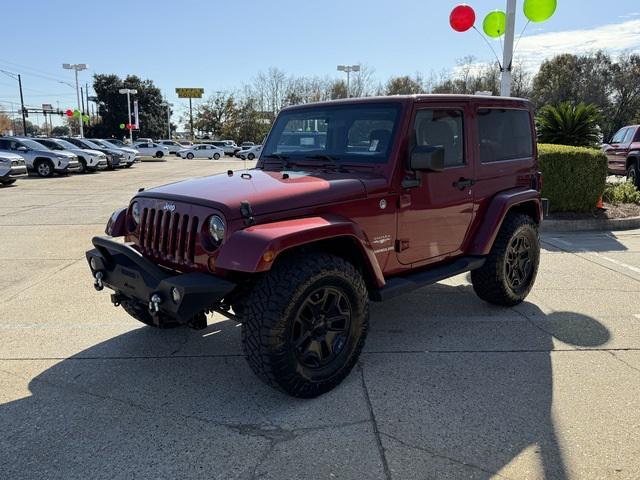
(176,296)
(268,256)
(93,263)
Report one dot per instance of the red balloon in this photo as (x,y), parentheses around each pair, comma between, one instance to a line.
(69,113)
(129,126)
(462,18)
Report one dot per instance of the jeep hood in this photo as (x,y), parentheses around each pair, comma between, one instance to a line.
(267,191)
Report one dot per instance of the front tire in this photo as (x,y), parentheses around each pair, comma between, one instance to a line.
(510,270)
(159,154)
(83,166)
(251,156)
(44,168)
(6,183)
(305,323)
(190,156)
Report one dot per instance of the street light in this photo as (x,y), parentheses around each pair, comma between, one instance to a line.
(348,69)
(128,92)
(78,67)
(168,105)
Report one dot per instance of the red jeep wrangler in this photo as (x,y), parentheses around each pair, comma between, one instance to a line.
(351,201)
(624,153)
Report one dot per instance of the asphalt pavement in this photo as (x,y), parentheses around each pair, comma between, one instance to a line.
(447,387)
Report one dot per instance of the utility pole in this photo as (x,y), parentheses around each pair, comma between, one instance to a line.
(193,137)
(78,67)
(24,118)
(168,106)
(507,61)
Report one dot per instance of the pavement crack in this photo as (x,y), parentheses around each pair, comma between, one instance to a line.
(442,456)
(613,354)
(374,422)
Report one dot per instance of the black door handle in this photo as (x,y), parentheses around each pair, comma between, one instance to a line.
(464,183)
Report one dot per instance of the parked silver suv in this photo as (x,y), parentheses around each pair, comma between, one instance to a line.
(12,167)
(39,158)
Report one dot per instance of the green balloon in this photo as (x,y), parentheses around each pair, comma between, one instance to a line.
(122,125)
(540,10)
(85,118)
(495,24)
(76,113)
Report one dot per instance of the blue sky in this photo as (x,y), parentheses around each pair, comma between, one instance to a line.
(220,45)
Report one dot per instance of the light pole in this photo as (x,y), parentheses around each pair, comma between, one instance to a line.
(78,67)
(348,69)
(507,60)
(128,92)
(168,105)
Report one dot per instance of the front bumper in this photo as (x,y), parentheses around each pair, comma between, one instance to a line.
(101,165)
(72,166)
(15,171)
(130,275)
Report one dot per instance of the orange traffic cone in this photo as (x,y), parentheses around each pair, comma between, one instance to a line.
(600,203)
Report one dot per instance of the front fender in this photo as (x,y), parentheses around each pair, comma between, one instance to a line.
(115,225)
(495,213)
(244,250)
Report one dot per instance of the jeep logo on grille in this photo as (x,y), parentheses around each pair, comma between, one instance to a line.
(169,207)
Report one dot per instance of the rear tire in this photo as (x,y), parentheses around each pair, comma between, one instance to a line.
(159,155)
(633,175)
(304,323)
(251,156)
(44,168)
(190,156)
(510,269)
(216,156)
(6,183)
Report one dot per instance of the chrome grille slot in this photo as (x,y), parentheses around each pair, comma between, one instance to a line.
(191,239)
(182,238)
(157,226)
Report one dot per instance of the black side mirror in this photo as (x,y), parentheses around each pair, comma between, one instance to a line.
(427,158)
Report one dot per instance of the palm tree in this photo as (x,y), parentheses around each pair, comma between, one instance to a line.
(569,124)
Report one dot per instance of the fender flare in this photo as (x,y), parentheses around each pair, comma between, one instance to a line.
(495,214)
(244,250)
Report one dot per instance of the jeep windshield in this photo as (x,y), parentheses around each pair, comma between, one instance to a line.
(357,133)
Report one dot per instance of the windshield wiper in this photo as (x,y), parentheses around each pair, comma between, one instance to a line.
(284,159)
(334,161)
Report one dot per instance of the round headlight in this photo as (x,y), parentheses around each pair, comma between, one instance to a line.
(135,212)
(216,229)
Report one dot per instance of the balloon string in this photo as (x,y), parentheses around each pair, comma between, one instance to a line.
(490,46)
(520,38)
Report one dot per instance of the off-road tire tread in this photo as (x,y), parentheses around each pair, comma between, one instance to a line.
(271,299)
(488,281)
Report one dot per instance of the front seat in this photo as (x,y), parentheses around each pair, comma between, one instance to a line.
(438,134)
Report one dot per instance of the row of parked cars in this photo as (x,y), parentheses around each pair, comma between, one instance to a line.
(48,156)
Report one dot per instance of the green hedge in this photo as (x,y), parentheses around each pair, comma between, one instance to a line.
(573,177)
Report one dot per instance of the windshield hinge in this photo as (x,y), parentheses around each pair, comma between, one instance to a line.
(246,213)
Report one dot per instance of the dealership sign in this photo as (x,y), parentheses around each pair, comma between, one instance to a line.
(190,92)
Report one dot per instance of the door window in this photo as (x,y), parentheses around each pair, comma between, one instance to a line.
(442,128)
(504,134)
(628,136)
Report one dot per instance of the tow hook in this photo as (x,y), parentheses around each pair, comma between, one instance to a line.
(154,304)
(97,284)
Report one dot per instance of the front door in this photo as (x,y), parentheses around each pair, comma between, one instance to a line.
(618,149)
(434,217)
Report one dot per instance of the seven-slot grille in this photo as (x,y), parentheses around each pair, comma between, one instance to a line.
(168,235)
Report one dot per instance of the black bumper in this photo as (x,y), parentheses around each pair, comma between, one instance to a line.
(132,276)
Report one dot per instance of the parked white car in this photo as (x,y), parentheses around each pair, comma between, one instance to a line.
(250,153)
(203,150)
(151,149)
(229,146)
(90,160)
(172,145)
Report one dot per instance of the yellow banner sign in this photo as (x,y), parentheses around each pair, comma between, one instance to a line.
(190,92)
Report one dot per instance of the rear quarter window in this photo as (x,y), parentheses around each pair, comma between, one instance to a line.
(504,134)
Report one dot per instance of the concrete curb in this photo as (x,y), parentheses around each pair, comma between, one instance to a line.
(590,225)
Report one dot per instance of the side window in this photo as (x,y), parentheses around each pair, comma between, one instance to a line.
(619,137)
(442,128)
(504,134)
(637,139)
(4,144)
